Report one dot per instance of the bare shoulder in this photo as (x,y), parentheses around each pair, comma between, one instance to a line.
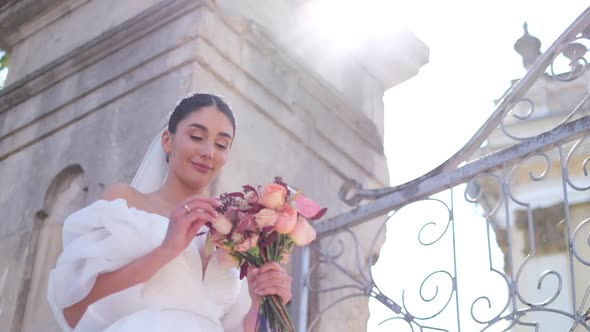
(119,190)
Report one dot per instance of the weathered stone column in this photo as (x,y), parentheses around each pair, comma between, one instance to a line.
(90,82)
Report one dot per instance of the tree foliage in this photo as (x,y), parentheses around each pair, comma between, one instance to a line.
(3,67)
(3,60)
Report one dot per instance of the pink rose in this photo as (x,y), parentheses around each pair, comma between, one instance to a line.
(273,196)
(266,218)
(287,220)
(308,208)
(247,243)
(303,233)
(222,224)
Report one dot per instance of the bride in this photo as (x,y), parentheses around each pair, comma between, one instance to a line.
(131,261)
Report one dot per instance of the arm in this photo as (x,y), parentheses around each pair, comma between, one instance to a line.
(181,230)
(270,279)
(251,317)
(137,271)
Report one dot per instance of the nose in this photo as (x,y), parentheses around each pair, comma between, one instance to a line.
(207,151)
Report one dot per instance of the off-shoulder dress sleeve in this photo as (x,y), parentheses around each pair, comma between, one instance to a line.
(100,238)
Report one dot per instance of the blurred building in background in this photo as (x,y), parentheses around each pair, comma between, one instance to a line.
(544,200)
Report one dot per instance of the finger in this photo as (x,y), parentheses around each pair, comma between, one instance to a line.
(270,275)
(272,283)
(270,266)
(199,207)
(195,216)
(251,275)
(203,206)
(283,293)
(195,227)
(252,271)
(273,279)
(198,197)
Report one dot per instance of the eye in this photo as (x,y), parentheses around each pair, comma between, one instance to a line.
(221,146)
(196,138)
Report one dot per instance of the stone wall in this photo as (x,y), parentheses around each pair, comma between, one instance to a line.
(90,84)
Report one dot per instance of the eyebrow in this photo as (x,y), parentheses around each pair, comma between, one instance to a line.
(200,126)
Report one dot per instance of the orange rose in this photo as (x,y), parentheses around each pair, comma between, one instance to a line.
(266,218)
(273,196)
(287,220)
(303,233)
(222,225)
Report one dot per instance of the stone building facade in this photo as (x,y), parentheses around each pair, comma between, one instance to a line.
(91,82)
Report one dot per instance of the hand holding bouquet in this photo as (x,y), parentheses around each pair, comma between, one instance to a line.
(261,225)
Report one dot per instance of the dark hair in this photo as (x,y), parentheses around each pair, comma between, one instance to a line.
(194,103)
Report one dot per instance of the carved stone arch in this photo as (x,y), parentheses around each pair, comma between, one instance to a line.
(65,195)
(65,188)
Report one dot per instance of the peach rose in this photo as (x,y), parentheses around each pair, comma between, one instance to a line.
(287,220)
(273,196)
(222,224)
(303,233)
(266,218)
(247,244)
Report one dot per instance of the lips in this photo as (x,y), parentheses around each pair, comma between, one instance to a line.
(203,168)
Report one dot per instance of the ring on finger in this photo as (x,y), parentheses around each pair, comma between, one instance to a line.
(188,210)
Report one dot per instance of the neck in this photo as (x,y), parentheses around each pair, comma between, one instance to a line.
(173,191)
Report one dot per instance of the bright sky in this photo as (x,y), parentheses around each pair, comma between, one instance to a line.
(431,116)
(472,61)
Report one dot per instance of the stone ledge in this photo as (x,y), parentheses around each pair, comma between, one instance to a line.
(105,94)
(45,18)
(149,21)
(394,62)
(55,110)
(91,52)
(14,14)
(121,37)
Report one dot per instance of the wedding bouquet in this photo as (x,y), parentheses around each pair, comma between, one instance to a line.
(260,225)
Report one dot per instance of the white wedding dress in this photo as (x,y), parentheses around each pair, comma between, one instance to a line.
(109,234)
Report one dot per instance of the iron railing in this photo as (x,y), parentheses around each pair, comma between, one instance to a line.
(554,157)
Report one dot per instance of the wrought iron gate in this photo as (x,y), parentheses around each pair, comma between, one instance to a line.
(526,171)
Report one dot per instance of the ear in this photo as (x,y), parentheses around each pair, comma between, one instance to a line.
(166,142)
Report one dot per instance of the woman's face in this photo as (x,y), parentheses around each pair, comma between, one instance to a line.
(200,147)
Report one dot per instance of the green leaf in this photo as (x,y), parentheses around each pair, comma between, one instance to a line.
(4,61)
(254,251)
